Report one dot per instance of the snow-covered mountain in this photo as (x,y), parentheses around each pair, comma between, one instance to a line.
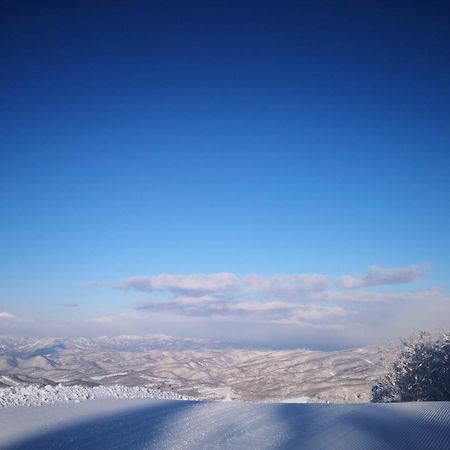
(193,367)
(45,346)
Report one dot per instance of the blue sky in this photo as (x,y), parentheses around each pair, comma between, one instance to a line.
(220,137)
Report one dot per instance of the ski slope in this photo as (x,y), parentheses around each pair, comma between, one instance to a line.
(171,424)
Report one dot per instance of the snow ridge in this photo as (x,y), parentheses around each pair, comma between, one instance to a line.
(40,394)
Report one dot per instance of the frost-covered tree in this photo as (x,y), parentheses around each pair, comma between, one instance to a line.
(420,371)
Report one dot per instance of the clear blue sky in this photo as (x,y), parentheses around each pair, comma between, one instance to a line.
(146,138)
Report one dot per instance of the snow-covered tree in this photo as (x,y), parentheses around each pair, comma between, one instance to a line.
(420,371)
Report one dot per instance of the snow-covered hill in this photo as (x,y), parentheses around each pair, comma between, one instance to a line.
(191,367)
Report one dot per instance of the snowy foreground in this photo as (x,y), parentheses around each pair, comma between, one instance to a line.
(107,423)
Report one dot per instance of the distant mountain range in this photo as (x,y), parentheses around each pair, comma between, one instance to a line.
(203,369)
(46,346)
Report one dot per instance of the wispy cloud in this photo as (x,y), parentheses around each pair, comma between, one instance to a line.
(209,306)
(225,283)
(366,296)
(379,275)
(283,298)
(308,303)
(283,284)
(7,316)
(198,284)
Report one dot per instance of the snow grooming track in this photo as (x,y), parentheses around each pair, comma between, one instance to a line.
(167,424)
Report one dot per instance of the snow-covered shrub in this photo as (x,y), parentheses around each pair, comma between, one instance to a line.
(420,371)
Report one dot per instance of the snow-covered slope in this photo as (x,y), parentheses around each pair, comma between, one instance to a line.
(155,424)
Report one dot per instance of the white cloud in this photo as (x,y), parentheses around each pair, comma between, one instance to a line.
(365,296)
(379,275)
(282,298)
(284,305)
(283,284)
(193,284)
(275,311)
(7,316)
(315,316)
(226,283)
(246,306)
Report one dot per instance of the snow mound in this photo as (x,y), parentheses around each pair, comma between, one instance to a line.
(40,394)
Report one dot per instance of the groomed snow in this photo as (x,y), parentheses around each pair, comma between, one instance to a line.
(166,424)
